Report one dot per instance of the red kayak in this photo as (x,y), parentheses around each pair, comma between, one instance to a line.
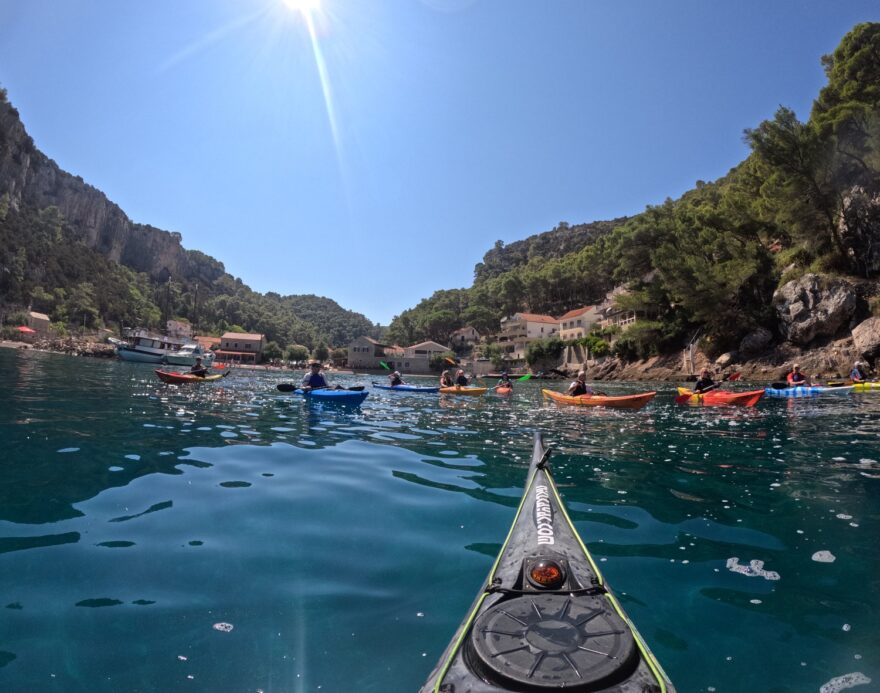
(714,397)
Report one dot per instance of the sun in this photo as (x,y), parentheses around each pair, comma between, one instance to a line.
(305,7)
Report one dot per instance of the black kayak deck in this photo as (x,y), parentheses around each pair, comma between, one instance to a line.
(545,619)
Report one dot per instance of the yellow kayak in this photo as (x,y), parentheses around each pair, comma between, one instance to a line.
(458,390)
(865,387)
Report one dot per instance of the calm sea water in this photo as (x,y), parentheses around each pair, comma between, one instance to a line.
(139,522)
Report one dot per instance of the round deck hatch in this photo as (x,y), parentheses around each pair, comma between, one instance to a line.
(552,641)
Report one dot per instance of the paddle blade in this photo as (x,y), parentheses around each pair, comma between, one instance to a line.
(682,399)
(527,376)
(286,387)
(356,388)
(450,361)
(779,386)
(385,365)
(734,376)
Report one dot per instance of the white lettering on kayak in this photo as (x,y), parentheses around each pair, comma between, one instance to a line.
(543,515)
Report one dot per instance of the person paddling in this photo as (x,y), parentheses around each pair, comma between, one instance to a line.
(396,379)
(314,379)
(461,379)
(446,380)
(579,386)
(705,382)
(505,381)
(796,378)
(198,369)
(857,374)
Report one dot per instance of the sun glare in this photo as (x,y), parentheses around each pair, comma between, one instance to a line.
(305,7)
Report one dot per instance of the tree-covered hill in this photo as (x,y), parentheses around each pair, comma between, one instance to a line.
(807,199)
(558,242)
(68,251)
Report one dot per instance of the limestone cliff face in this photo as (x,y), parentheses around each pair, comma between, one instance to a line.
(32,179)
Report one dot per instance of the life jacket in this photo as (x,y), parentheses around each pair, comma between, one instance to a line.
(579,389)
(315,380)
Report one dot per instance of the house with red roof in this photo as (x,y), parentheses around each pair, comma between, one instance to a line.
(576,323)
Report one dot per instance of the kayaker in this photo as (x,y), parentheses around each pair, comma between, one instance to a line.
(705,382)
(314,378)
(505,381)
(579,386)
(446,380)
(796,378)
(461,379)
(857,375)
(198,369)
(396,379)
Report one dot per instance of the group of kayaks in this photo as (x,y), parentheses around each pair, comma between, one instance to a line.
(357,394)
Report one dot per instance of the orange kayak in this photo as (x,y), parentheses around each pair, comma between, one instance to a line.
(503,390)
(458,390)
(176,378)
(623,401)
(714,397)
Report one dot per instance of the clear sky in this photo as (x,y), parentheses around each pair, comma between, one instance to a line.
(372,150)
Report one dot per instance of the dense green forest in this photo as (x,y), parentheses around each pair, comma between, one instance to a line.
(45,264)
(805,200)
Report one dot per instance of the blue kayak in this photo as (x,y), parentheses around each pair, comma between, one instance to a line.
(406,388)
(806,391)
(337,396)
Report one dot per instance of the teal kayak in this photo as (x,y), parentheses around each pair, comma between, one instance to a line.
(337,396)
(406,388)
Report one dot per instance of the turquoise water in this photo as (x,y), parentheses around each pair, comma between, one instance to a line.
(138,521)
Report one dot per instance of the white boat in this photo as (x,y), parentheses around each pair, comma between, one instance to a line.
(187,354)
(145,348)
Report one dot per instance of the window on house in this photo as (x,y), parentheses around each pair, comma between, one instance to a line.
(247,346)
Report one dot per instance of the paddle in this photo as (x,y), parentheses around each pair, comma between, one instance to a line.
(527,376)
(385,365)
(451,362)
(684,399)
(733,376)
(290,387)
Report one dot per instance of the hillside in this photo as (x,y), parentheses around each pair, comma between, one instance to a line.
(68,251)
(805,203)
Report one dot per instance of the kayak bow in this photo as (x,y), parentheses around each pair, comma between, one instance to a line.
(545,619)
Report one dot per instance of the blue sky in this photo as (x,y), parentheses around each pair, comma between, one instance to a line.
(376,157)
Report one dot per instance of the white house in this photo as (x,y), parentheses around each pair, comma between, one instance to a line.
(520,329)
(577,323)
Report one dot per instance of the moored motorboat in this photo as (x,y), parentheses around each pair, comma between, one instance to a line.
(144,347)
(462,390)
(546,619)
(636,401)
(718,397)
(177,378)
(187,355)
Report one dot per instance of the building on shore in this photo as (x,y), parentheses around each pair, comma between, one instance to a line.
(520,330)
(577,323)
(366,353)
(39,323)
(241,347)
(464,337)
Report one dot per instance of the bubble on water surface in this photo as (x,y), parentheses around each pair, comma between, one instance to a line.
(754,601)
(841,683)
(136,458)
(846,628)
(223,627)
(115,469)
(68,450)
(843,516)
(824,557)
(755,568)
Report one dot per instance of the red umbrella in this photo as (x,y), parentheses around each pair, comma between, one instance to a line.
(25,329)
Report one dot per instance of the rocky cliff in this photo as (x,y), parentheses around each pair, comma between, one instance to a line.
(30,178)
